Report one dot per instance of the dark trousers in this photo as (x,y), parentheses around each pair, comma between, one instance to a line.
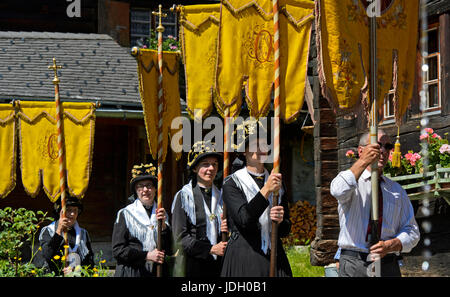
(354,264)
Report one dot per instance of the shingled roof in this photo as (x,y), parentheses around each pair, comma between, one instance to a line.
(95,68)
(436,7)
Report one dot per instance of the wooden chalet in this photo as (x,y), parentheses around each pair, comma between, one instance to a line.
(94,51)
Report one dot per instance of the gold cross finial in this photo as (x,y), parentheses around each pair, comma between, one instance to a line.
(160,14)
(55,69)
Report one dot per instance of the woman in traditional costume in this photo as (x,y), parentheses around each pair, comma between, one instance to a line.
(51,239)
(134,239)
(197,216)
(248,194)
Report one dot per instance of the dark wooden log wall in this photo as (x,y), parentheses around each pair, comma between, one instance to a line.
(324,245)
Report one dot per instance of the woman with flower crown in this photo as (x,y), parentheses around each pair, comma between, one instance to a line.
(197,216)
(135,229)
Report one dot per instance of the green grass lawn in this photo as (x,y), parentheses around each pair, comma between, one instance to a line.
(299,260)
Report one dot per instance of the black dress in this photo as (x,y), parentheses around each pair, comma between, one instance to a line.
(192,241)
(129,253)
(53,245)
(243,255)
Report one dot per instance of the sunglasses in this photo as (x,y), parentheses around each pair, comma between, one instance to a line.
(387,146)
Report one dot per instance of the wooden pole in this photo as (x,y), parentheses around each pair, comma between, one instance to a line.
(226,161)
(61,155)
(276,163)
(160,30)
(373,237)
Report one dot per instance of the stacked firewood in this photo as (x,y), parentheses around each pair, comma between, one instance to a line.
(304,223)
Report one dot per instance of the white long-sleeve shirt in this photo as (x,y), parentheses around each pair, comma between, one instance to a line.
(354,201)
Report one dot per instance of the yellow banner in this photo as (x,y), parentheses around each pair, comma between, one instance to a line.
(38,140)
(148,87)
(343,48)
(246,55)
(7,149)
(198,36)
(295,33)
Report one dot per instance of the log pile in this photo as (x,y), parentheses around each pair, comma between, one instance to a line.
(304,223)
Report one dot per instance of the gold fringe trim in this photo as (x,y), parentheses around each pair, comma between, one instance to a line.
(89,116)
(267,16)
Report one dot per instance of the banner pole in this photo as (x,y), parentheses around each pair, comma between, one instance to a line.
(276,163)
(160,30)
(61,155)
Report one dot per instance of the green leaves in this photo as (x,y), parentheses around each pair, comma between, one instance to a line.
(18,227)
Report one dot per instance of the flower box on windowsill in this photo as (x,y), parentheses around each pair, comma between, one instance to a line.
(438,180)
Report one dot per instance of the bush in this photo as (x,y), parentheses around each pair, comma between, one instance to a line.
(18,228)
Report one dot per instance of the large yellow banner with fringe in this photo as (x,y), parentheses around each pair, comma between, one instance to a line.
(343,48)
(7,149)
(148,73)
(199,26)
(245,55)
(295,33)
(38,141)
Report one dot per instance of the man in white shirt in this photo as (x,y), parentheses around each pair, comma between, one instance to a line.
(352,189)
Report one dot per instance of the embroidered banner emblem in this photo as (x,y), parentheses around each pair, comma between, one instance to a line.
(39,147)
(245,58)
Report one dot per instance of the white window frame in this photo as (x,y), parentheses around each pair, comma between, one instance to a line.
(436,81)
(386,110)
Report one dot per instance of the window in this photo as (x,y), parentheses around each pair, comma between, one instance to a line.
(140,24)
(388,112)
(141,20)
(432,79)
(170,24)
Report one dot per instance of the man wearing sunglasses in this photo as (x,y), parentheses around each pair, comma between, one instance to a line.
(352,189)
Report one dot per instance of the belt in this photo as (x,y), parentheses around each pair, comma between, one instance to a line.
(363,255)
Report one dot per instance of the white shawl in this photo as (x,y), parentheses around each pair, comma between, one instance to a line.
(213,221)
(80,238)
(248,185)
(142,227)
